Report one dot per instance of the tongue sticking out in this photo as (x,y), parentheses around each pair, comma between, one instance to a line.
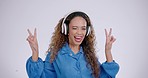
(78,39)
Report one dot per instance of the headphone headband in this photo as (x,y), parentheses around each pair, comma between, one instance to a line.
(64,27)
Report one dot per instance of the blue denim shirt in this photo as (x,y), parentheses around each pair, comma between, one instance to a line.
(68,65)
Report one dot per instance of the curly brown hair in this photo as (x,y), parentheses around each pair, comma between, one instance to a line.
(59,39)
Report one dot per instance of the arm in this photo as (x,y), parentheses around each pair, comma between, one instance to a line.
(109,68)
(36,68)
(32,39)
(108,45)
(40,69)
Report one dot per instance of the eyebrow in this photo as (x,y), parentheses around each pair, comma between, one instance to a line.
(77,26)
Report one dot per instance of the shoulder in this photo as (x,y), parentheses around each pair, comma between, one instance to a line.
(48,56)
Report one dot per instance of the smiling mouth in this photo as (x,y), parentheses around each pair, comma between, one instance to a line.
(78,38)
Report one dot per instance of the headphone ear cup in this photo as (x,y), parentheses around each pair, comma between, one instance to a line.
(65,29)
(88,31)
(62,28)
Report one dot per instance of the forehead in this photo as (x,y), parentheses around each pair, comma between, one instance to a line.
(78,21)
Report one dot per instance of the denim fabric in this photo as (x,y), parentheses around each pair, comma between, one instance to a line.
(68,65)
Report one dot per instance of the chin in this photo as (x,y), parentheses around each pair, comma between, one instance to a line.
(77,43)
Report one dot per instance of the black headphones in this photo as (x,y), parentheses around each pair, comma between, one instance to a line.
(64,27)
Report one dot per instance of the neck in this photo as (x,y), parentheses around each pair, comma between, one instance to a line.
(74,48)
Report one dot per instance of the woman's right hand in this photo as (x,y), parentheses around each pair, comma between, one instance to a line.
(32,39)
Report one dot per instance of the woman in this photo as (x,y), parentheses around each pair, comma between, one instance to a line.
(71,53)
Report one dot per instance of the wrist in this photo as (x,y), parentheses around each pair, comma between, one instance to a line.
(34,56)
(108,51)
(108,54)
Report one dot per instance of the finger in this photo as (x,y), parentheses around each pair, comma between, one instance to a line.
(110,31)
(29,32)
(106,33)
(31,45)
(113,39)
(29,39)
(35,34)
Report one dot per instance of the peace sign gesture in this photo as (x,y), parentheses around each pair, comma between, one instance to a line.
(32,39)
(108,45)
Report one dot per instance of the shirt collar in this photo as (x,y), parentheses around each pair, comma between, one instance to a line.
(67,50)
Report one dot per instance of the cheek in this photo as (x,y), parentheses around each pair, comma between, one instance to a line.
(84,32)
(71,32)
(70,35)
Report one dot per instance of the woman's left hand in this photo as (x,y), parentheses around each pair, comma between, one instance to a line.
(108,45)
(109,40)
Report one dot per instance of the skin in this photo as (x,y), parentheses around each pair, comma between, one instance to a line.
(110,39)
(32,39)
(77,27)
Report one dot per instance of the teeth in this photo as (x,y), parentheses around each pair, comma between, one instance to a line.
(78,37)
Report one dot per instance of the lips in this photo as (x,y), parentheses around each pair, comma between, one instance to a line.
(78,38)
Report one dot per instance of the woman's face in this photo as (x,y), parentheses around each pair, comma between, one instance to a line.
(77,30)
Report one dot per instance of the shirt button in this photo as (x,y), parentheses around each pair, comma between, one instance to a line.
(70,54)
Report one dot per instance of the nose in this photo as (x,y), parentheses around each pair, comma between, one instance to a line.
(79,31)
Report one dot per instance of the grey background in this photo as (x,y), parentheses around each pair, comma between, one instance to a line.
(128,18)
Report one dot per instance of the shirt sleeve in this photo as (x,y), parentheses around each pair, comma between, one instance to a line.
(40,68)
(109,69)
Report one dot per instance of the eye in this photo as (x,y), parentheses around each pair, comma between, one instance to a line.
(74,28)
(84,28)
